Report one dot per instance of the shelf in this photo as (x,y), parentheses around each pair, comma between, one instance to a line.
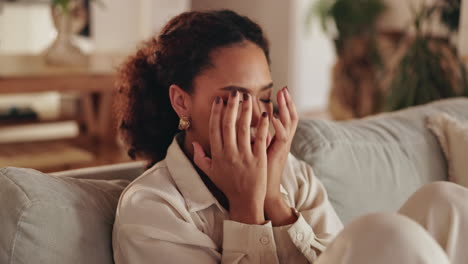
(58,155)
(9,123)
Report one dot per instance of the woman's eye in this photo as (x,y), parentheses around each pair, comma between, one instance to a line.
(266,101)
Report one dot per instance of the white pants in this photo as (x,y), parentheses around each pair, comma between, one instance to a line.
(430,228)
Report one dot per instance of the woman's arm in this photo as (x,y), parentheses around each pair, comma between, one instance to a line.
(317,223)
(305,224)
(153,227)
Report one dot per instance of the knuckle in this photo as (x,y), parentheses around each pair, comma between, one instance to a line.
(294,116)
(230,159)
(212,130)
(243,129)
(233,160)
(281,136)
(227,126)
(283,139)
(277,123)
(262,136)
(245,159)
(295,122)
(246,107)
(215,111)
(232,102)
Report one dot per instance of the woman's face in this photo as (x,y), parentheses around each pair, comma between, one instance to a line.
(243,67)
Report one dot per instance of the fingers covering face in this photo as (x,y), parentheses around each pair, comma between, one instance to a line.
(261,136)
(291,106)
(216,140)
(287,111)
(229,122)
(243,125)
(283,108)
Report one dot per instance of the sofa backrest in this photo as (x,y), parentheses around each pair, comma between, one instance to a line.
(376,163)
(121,171)
(52,219)
(366,165)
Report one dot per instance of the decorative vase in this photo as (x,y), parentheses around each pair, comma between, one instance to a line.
(63,51)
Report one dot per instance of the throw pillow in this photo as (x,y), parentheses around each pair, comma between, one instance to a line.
(453,138)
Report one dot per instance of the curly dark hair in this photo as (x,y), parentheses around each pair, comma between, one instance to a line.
(146,119)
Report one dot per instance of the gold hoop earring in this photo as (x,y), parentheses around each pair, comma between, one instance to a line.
(184,123)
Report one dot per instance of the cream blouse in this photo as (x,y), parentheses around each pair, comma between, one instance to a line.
(168,215)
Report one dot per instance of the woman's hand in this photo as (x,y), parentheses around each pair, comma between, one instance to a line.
(285,126)
(238,168)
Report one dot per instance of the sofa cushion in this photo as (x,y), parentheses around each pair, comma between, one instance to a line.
(50,219)
(376,163)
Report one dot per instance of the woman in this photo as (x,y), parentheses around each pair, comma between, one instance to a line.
(224,189)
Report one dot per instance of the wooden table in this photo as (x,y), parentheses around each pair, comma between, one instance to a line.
(94,82)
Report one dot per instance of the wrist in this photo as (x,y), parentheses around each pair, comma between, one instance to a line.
(279,212)
(247,212)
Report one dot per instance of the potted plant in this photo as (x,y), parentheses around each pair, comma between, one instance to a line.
(352,24)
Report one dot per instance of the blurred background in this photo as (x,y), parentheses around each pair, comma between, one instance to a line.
(341,59)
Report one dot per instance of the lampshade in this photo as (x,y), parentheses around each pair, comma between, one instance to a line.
(463,31)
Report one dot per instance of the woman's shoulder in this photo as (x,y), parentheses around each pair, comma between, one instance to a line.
(298,169)
(152,190)
(297,175)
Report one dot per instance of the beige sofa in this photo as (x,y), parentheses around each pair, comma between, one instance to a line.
(366,165)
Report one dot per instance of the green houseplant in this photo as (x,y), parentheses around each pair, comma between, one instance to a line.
(351,17)
(430,69)
(421,68)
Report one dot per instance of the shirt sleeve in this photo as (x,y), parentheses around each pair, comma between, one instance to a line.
(244,243)
(152,231)
(317,223)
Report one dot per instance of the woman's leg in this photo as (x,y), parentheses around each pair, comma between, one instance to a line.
(383,238)
(442,209)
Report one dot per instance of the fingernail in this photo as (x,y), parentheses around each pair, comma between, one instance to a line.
(264,114)
(246,96)
(233,93)
(217,99)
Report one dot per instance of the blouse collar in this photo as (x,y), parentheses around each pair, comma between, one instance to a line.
(187,179)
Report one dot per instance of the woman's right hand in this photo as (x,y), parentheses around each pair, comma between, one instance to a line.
(238,168)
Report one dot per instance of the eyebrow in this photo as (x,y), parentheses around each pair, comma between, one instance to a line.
(245,90)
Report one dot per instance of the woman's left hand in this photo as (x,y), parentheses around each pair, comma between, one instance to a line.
(285,126)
